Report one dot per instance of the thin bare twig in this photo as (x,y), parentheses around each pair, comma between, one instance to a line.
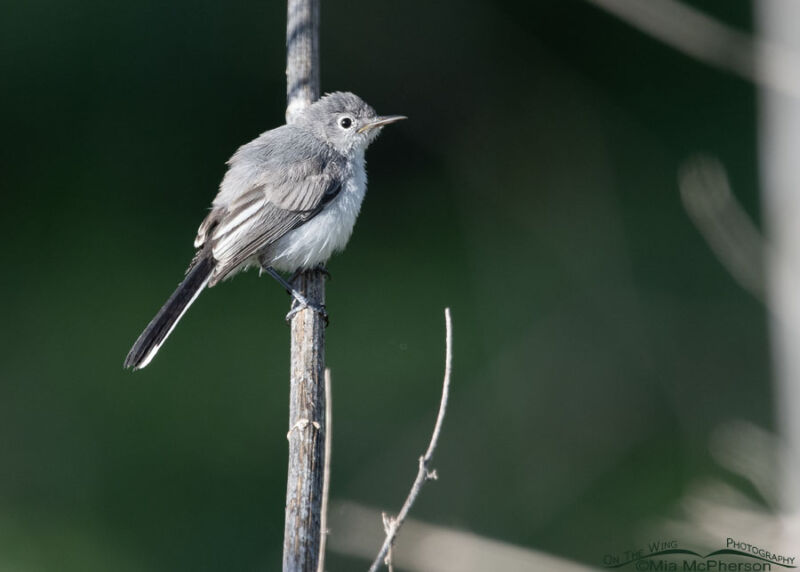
(434,547)
(392,525)
(387,520)
(326,475)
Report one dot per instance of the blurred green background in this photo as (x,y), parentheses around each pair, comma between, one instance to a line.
(598,341)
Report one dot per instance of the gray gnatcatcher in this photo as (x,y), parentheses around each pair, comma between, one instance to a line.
(288,201)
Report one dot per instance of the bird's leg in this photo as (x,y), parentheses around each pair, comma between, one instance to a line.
(299,301)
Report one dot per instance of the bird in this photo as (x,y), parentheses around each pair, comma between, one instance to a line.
(288,200)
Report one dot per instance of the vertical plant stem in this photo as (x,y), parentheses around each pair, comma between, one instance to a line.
(326,482)
(307,396)
(302,56)
(779,135)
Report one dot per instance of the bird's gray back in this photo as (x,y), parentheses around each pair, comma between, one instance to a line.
(275,159)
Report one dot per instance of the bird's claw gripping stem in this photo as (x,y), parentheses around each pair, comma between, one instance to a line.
(299,301)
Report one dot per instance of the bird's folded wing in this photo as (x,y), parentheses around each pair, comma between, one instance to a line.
(264,213)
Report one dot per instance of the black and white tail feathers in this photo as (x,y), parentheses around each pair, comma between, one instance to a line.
(160,327)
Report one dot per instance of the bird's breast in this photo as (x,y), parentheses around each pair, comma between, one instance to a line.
(314,242)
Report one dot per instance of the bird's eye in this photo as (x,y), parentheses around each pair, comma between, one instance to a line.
(346,122)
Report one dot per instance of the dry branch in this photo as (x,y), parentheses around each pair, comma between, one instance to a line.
(392,525)
(307,398)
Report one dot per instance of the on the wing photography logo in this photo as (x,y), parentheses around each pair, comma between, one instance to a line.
(667,555)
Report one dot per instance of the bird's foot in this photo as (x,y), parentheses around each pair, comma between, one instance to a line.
(299,302)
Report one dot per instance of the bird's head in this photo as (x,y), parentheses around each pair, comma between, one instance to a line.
(344,121)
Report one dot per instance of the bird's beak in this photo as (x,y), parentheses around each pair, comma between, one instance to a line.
(381,121)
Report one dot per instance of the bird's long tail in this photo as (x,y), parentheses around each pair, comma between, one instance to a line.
(160,327)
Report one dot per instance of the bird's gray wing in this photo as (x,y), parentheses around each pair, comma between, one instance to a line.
(282,200)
